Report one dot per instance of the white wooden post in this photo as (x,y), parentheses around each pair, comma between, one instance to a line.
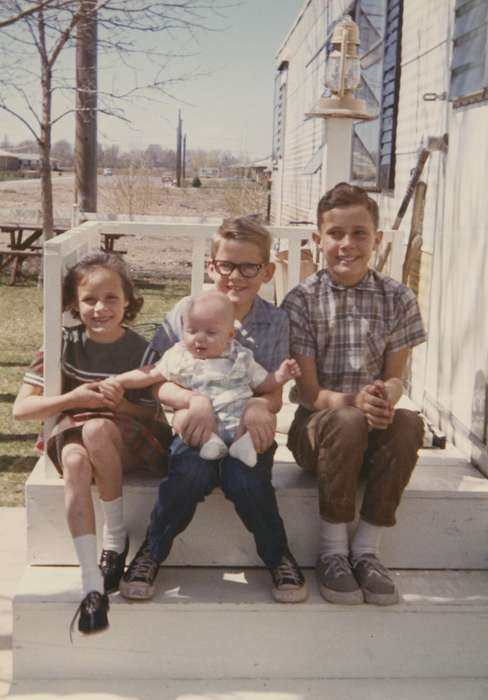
(58,253)
(337,155)
(198,264)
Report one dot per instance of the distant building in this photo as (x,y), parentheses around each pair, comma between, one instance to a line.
(29,161)
(24,161)
(258,170)
(9,161)
(209,172)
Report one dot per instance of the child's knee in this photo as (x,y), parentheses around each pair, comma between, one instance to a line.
(97,433)
(194,476)
(347,423)
(408,426)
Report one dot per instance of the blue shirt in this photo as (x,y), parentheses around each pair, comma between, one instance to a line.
(265,331)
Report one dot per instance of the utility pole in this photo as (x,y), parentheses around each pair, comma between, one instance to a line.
(183,163)
(179,149)
(86,108)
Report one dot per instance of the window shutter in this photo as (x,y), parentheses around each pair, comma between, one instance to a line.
(279,111)
(390,94)
(469,67)
(370,17)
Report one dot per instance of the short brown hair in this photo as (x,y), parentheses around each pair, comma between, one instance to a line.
(108,261)
(244,228)
(346,195)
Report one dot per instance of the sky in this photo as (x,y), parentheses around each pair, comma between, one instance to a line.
(227,106)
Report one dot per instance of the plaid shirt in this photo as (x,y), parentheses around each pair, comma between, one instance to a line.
(265,331)
(349,330)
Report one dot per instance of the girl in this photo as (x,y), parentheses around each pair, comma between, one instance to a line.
(99,433)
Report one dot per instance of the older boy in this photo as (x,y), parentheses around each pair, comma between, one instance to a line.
(240,263)
(351,333)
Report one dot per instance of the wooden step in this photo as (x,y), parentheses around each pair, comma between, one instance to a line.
(265,689)
(224,624)
(442,520)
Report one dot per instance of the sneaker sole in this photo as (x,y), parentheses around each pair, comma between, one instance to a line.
(133,592)
(341,597)
(381,598)
(292,595)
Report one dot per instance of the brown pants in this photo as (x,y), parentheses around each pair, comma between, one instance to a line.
(337,446)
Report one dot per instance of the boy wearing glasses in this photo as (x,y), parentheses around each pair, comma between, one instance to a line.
(239,265)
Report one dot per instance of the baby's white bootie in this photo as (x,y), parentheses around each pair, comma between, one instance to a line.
(244,449)
(214,448)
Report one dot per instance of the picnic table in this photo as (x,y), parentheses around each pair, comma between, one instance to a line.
(24,242)
(109,239)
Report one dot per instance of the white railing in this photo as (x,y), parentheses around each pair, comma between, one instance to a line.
(64,250)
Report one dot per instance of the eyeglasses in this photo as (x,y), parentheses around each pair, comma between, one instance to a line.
(226,268)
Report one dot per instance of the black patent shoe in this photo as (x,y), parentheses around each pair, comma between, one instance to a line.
(91,613)
(112,567)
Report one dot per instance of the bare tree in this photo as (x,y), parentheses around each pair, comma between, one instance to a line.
(23,13)
(37,49)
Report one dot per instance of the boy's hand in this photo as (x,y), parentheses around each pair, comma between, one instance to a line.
(112,390)
(373,401)
(260,423)
(196,423)
(289,369)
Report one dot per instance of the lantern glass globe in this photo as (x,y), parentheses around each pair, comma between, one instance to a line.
(352,73)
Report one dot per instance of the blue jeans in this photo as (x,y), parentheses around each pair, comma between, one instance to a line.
(190,479)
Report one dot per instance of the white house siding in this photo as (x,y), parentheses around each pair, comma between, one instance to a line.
(450,373)
(424,69)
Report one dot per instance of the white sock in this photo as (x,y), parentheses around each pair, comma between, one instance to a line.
(91,576)
(333,539)
(114,530)
(214,448)
(244,449)
(366,539)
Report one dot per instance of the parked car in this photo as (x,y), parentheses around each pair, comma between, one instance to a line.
(107,171)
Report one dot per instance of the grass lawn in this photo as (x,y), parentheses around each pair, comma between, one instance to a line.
(20,336)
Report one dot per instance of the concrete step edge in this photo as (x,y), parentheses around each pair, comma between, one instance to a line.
(259,689)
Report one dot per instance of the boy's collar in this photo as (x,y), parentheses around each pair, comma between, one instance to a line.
(366,284)
(258,313)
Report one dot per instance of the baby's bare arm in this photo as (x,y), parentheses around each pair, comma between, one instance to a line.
(139,378)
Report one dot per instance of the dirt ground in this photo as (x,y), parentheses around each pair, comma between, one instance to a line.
(133,195)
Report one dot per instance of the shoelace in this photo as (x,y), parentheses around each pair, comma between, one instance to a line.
(337,565)
(373,565)
(142,566)
(287,569)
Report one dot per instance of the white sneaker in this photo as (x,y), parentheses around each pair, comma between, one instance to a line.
(244,449)
(214,448)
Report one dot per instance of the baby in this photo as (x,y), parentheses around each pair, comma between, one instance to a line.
(209,361)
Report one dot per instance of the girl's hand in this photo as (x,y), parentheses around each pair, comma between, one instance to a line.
(88,396)
(112,390)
